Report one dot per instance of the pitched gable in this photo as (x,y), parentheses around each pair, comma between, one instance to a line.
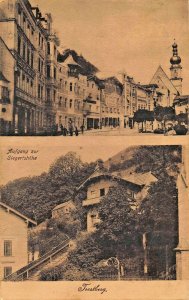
(161,78)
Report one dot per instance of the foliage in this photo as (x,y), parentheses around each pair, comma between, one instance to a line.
(143,115)
(156,159)
(51,274)
(75,273)
(182,117)
(69,227)
(47,238)
(164,113)
(37,196)
(117,231)
(158,218)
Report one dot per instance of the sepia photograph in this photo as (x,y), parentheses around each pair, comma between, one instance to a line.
(95,215)
(100,67)
(94,149)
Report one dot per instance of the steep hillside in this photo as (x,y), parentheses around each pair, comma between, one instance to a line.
(37,196)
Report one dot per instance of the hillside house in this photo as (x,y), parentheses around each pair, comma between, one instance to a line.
(63,210)
(13,240)
(99,184)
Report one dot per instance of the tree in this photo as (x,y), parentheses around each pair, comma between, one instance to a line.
(117,231)
(37,196)
(163,114)
(143,115)
(158,219)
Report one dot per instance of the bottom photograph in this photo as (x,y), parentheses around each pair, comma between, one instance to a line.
(88,216)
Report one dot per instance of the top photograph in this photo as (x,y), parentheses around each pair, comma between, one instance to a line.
(94,68)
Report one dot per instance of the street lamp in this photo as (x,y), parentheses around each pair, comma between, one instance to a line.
(115,262)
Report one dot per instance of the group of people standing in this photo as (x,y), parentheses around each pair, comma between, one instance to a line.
(72,130)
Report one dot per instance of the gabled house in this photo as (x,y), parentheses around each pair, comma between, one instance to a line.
(101,181)
(63,210)
(13,240)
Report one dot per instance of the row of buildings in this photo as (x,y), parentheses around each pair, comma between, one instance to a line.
(41,87)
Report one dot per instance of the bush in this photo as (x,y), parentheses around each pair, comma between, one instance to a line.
(51,274)
(76,274)
(180,130)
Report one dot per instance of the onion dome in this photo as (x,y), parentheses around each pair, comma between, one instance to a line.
(175,59)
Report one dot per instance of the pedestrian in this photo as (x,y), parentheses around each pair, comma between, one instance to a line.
(71,130)
(62,129)
(82,128)
(76,131)
(65,131)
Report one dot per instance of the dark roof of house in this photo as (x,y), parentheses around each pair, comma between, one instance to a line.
(184,99)
(114,80)
(69,202)
(140,179)
(17,213)
(87,67)
(3,78)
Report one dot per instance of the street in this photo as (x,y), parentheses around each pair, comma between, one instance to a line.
(115,132)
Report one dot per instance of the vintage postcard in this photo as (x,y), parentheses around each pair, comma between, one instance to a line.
(99,67)
(94,149)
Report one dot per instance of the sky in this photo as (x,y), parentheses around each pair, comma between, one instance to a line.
(123,35)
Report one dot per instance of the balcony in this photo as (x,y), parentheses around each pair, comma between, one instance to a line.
(5,100)
(92,201)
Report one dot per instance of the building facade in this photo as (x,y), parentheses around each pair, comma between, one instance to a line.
(181,104)
(7,63)
(112,103)
(63,210)
(13,240)
(136,97)
(29,37)
(171,87)
(99,184)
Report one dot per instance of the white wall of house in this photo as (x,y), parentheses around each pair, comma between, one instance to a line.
(13,229)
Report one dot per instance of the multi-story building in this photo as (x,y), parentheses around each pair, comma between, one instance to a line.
(13,240)
(181,104)
(99,184)
(29,38)
(112,113)
(136,97)
(7,63)
(72,93)
(93,103)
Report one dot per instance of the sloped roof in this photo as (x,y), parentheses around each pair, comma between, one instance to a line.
(181,99)
(87,67)
(14,211)
(140,179)
(137,178)
(63,204)
(161,71)
(70,61)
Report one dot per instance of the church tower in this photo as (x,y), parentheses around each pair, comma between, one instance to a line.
(176,69)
